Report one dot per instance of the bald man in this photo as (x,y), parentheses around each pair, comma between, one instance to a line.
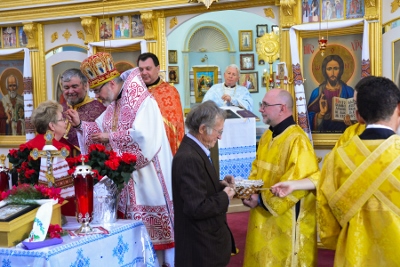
(282,231)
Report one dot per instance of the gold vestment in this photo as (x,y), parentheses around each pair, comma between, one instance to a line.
(275,237)
(359,202)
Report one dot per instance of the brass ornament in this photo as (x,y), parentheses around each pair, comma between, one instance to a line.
(269,12)
(395,5)
(67,35)
(54,37)
(173,22)
(89,26)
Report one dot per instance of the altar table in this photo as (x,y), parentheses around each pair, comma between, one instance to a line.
(127,244)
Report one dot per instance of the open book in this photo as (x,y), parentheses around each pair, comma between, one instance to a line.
(342,107)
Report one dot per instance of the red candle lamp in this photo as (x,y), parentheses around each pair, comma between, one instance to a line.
(83,183)
(4,175)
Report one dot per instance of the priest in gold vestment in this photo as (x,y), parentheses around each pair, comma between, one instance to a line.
(359,191)
(282,231)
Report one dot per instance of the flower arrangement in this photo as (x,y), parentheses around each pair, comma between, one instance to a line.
(55,231)
(23,164)
(103,162)
(25,193)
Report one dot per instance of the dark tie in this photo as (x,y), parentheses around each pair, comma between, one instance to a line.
(209,157)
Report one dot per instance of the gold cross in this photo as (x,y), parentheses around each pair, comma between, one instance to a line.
(49,155)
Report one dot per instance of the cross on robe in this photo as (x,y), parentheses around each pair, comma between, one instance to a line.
(49,155)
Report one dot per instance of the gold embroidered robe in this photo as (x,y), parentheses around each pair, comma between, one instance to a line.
(355,129)
(359,203)
(275,237)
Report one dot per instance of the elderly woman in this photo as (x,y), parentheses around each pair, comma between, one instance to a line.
(48,117)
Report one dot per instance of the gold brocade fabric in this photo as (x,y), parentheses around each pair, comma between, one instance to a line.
(359,202)
(355,129)
(274,237)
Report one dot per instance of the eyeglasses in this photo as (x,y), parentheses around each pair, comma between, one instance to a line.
(219,132)
(264,105)
(97,91)
(62,119)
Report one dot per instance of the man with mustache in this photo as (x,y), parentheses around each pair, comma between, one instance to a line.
(320,104)
(74,86)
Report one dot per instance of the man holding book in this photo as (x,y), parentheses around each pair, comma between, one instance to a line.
(320,107)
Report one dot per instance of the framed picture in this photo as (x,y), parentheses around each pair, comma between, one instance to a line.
(263,83)
(250,81)
(137,26)
(204,78)
(275,29)
(9,37)
(11,211)
(246,40)
(247,61)
(262,29)
(23,40)
(163,75)
(173,74)
(122,27)
(172,57)
(105,28)
(341,54)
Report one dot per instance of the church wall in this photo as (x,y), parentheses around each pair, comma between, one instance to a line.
(232,21)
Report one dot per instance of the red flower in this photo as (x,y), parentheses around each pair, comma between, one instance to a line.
(97,147)
(113,164)
(54,231)
(13,153)
(29,173)
(128,158)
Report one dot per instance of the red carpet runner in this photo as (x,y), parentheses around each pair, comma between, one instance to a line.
(238,224)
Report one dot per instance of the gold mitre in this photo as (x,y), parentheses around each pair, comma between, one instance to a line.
(99,69)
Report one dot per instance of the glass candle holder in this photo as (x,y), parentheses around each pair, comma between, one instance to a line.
(4,178)
(83,183)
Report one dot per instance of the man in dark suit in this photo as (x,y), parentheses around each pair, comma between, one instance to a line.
(201,200)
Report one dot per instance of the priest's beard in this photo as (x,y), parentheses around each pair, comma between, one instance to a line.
(13,94)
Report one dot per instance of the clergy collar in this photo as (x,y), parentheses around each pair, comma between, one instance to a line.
(278,129)
(229,86)
(149,86)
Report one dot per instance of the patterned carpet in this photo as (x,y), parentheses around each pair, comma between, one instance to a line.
(238,224)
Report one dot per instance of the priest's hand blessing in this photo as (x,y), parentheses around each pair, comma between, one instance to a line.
(73,117)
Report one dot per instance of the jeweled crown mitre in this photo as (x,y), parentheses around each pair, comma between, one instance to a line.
(99,69)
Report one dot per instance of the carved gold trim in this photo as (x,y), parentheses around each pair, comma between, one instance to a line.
(150,26)
(170,7)
(89,26)
(80,35)
(395,5)
(31,32)
(54,37)
(67,35)
(207,3)
(269,12)
(372,11)
(173,22)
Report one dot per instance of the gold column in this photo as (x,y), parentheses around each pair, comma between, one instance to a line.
(155,35)
(372,15)
(89,25)
(287,20)
(35,35)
